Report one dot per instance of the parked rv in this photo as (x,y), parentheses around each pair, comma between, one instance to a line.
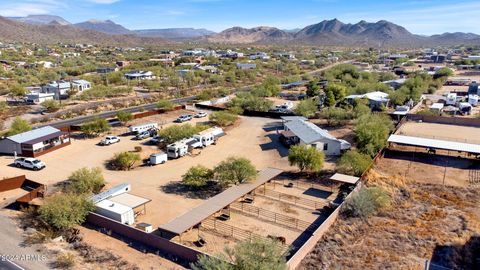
(158,158)
(209,136)
(176,150)
(144,127)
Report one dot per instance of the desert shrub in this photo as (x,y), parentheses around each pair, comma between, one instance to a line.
(306,158)
(138,149)
(65,260)
(197,176)
(257,253)
(336,116)
(223,119)
(235,170)
(64,211)
(125,161)
(366,202)
(124,117)
(95,127)
(353,163)
(19,125)
(306,108)
(85,181)
(51,105)
(165,104)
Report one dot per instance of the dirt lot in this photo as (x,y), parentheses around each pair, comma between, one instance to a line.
(440,132)
(423,222)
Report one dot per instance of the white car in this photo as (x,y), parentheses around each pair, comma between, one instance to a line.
(109,140)
(29,163)
(200,114)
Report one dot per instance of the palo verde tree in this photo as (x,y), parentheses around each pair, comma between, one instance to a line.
(372,131)
(306,108)
(86,181)
(19,125)
(234,170)
(95,127)
(125,161)
(306,158)
(197,176)
(124,117)
(64,211)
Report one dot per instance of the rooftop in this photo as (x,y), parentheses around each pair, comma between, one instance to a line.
(433,143)
(307,131)
(35,134)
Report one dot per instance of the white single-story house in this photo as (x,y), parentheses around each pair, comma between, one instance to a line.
(81,85)
(35,142)
(37,98)
(139,75)
(59,88)
(376,99)
(303,132)
(395,84)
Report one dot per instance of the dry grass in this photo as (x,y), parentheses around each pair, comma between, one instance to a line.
(424,221)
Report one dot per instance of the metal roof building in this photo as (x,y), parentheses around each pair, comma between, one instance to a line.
(215,204)
(435,144)
(32,143)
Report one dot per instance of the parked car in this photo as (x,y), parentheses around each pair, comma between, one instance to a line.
(29,163)
(142,135)
(184,118)
(200,114)
(110,140)
(156,140)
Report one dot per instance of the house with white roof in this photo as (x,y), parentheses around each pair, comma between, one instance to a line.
(59,88)
(81,85)
(35,142)
(376,100)
(139,75)
(298,130)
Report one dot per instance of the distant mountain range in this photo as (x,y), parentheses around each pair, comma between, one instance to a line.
(328,32)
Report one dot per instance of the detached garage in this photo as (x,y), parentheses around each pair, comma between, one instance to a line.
(35,142)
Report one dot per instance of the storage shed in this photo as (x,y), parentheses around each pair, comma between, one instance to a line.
(115,211)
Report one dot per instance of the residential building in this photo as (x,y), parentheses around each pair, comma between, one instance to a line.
(139,75)
(301,131)
(81,85)
(59,88)
(105,70)
(377,100)
(395,84)
(35,142)
(259,55)
(37,98)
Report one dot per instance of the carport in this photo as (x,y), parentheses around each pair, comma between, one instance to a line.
(132,201)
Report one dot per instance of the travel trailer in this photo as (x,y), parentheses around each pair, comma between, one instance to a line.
(177,149)
(209,136)
(143,127)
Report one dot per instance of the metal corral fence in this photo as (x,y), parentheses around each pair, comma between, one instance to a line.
(289,198)
(268,215)
(212,224)
(301,184)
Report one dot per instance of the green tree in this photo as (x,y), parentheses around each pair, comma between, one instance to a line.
(257,253)
(306,158)
(175,133)
(86,181)
(124,117)
(64,211)
(353,163)
(336,116)
(51,105)
(95,127)
(330,99)
(197,176)
(18,90)
(339,91)
(223,118)
(19,125)
(313,89)
(443,72)
(366,202)
(306,108)
(165,104)
(372,131)
(125,161)
(234,170)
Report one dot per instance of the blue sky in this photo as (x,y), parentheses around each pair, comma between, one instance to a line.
(418,16)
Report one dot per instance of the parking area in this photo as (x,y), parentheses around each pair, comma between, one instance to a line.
(250,138)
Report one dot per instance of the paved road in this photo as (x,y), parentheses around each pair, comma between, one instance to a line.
(11,245)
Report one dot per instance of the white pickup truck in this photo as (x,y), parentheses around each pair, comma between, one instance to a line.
(109,140)
(29,163)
